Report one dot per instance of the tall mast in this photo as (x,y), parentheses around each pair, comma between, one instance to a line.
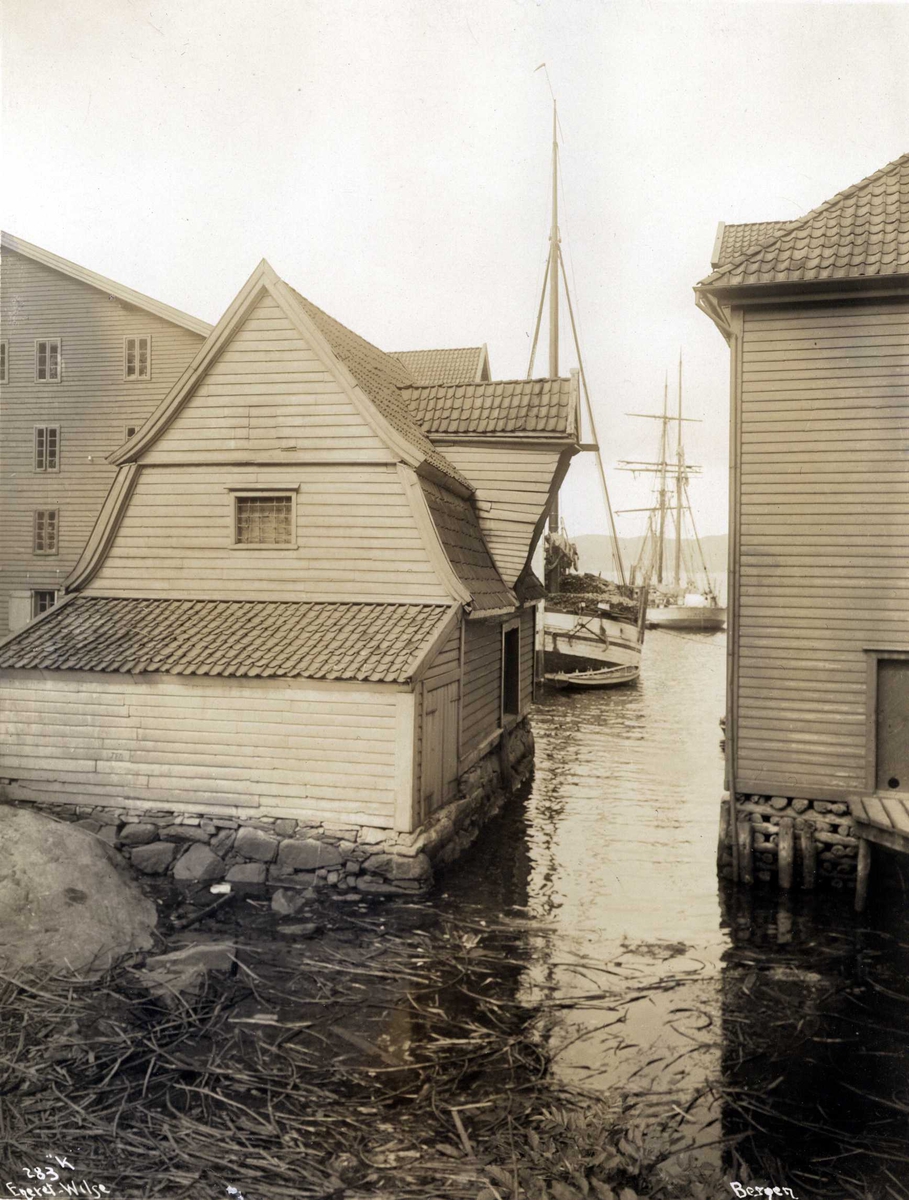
(664,450)
(553,273)
(554,256)
(678,486)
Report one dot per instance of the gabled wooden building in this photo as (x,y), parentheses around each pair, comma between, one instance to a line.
(84,360)
(816,314)
(307,598)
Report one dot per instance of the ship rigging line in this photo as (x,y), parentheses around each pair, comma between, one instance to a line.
(616,552)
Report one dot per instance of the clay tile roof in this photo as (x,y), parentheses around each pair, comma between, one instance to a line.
(366,642)
(462,365)
(459,532)
(861,232)
(380,375)
(503,406)
(740,239)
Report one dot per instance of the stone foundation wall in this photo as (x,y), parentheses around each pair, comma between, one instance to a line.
(825,824)
(196,848)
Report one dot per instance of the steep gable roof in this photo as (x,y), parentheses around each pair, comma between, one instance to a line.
(370,376)
(861,232)
(103,284)
(381,643)
(380,375)
(503,406)
(465,364)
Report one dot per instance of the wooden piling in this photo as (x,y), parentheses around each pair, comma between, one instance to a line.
(722,848)
(808,852)
(862,871)
(744,843)
(786,852)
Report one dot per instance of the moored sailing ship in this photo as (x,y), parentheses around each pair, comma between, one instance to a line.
(593,631)
(686,599)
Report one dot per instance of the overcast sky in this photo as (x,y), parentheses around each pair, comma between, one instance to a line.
(390,158)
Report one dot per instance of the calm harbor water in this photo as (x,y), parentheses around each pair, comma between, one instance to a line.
(770,1030)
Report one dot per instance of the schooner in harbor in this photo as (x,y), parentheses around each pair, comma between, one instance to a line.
(685,598)
(593,632)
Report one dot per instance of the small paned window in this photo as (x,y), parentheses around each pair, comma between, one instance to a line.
(42,602)
(264,520)
(47,521)
(511,672)
(47,360)
(137,357)
(4,361)
(47,447)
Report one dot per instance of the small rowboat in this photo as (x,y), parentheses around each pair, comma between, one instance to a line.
(604,678)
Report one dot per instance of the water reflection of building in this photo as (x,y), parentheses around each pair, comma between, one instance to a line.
(815,1044)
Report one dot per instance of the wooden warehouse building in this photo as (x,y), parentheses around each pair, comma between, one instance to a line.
(306,609)
(816,314)
(84,361)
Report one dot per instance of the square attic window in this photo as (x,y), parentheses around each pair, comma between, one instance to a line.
(264,519)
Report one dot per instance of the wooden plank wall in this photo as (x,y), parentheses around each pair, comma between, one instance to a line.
(92,405)
(446,663)
(824,537)
(528,633)
(481,697)
(284,747)
(357,538)
(512,485)
(268,397)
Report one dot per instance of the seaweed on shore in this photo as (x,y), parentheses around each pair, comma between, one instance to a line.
(384,1068)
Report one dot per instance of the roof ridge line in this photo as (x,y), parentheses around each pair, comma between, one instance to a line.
(795,225)
(487,382)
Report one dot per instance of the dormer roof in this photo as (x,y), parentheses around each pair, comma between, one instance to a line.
(465,364)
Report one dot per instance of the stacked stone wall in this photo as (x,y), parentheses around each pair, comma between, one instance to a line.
(281,851)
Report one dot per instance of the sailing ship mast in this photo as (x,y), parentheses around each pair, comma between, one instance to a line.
(555,269)
(679,506)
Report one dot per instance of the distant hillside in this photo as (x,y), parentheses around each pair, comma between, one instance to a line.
(595,550)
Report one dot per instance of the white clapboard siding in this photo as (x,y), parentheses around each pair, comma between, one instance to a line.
(92,405)
(512,486)
(481,694)
(528,632)
(823,537)
(445,667)
(357,538)
(282,747)
(268,396)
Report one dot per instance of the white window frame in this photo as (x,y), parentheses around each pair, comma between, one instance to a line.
(137,338)
(36,592)
(263,493)
(56,549)
(49,341)
(4,360)
(55,469)
(506,715)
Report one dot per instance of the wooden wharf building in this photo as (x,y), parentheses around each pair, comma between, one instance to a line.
(299,641)
(816,315)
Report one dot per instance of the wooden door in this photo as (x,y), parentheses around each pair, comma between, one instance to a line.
(892,773)
(439,776)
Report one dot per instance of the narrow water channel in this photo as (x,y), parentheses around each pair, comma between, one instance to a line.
(775,1028)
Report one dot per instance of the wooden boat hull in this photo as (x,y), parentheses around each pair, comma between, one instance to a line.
(605,678)
(594,642)
(683,616)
